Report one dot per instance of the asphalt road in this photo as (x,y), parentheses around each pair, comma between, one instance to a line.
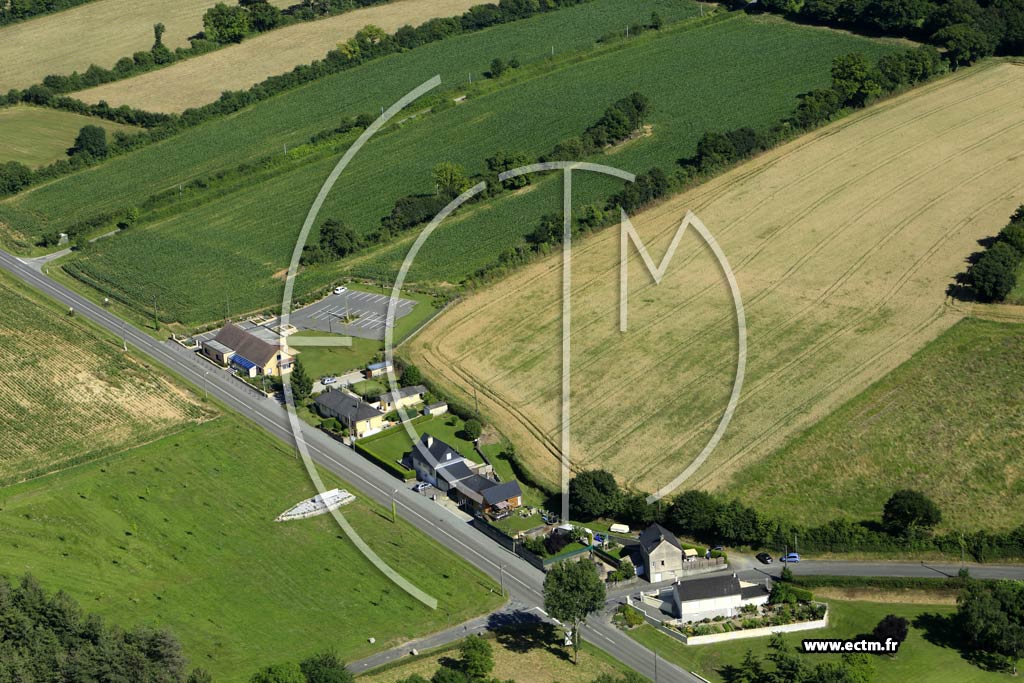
(522,581)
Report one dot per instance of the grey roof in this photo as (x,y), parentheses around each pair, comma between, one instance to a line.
(217,346)
(653,535)
(502,491)
(709,587)
(454,471)
(749,592)
(404,392)
(433,406)
(435,451)
(473,487)
(347,406)
(246,344)
(378,366)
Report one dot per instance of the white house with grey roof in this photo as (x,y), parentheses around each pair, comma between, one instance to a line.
(712,596)
(403,398)
(360,418)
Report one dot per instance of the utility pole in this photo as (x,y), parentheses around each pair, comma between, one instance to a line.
(124,337)
(394,507)
(476,403)
(655,666)
(206,384)
(501,578)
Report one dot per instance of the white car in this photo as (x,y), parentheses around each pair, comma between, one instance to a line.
(328,380)
(420,487)
(340,290)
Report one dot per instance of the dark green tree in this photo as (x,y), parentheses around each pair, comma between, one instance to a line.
(411,376)
(572,592)
(891,626)
(964,43)
(262,15)
(473,428)
(200,676)
(907,511)
(325,667)
(593,494)
(995,274)
(855,79)
(497,68)
(279,673)
(224,24)
(476,658)
(91,141)
(693,513)
(302,384)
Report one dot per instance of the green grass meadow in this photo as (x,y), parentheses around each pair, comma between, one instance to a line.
(246,236)
(292,117)
(37,136)
(180,534)
(923,657)
(949,422)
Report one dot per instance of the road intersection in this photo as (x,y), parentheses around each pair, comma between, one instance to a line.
(522,581)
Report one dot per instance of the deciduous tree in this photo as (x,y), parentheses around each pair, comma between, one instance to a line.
(572,592)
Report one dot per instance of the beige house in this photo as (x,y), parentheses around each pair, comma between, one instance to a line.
(403,398)
(662,554)
(361,419)
(251,350)
(712,596)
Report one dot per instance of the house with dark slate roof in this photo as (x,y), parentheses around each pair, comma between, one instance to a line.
(360,418)
(719,595)
(444,468)
(662,554)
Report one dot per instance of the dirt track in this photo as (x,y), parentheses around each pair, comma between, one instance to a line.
(843,243)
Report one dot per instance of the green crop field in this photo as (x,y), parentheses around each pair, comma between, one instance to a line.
(36,136)
(923,658)
(180,534)
(68,394)
(950,422)
(244,233)
(290,118)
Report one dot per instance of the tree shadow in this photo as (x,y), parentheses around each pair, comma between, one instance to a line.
(522,632)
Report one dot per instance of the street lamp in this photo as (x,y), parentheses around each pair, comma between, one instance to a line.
(206,384)
(394,507)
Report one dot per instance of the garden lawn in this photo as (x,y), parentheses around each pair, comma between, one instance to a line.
(395,443)
(180,534)
(268,126)
(36,136)
(921,658)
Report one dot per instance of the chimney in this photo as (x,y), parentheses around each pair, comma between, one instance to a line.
(448,455)
(429,440)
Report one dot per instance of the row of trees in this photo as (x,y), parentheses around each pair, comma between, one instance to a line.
(994,275)
(12,11)
(907,522)
(325,667)
(46,637)
(855,83)
(783,665)
(368,44)
(967,29)
(618,122)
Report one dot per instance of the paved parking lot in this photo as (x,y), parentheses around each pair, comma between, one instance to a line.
(370,311)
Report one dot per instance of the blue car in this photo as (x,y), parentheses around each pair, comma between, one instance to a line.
(792,557)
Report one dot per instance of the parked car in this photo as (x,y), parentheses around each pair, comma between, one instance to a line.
(764,558)
(792,557)
(420,487)
(340,290)
(719,548)
(328,380)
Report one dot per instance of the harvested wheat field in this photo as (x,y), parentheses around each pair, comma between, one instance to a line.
(95,33)
(67,395)
(195,82)
(843,243)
